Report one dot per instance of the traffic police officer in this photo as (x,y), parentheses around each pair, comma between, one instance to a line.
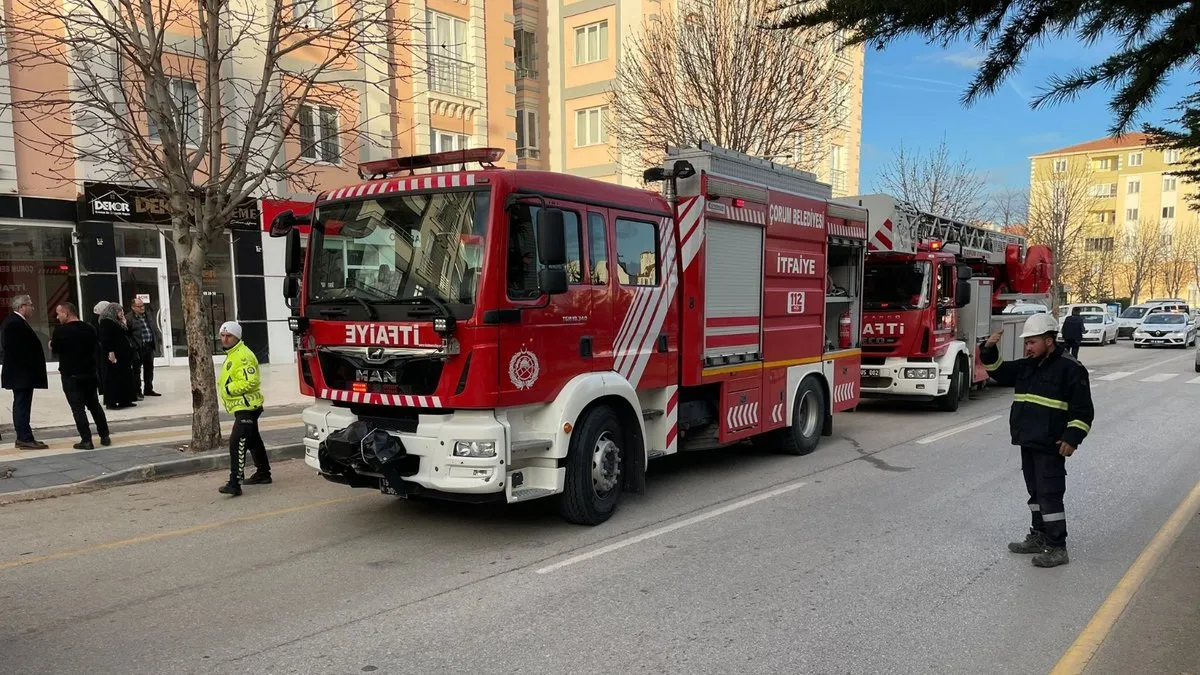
(240,389)
(1051,415)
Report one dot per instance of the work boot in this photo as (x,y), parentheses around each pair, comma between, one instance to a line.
(1035,542)
(84,445)
(230,488)
(105,440)
(259,478)
(1051,557)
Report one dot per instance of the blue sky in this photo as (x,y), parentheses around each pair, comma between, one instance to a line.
(912,93)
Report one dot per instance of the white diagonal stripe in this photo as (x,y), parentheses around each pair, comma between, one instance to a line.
(1159,377)
(1194,380)
(1113,376)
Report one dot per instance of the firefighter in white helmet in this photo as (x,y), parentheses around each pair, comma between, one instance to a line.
(1051,415)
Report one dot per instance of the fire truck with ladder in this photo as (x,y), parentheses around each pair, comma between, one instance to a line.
(509,335)
(934,289)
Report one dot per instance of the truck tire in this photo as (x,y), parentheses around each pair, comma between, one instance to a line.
(808,418)
(949,401)
(595,462)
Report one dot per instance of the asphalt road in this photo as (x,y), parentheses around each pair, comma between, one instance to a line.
(883,552)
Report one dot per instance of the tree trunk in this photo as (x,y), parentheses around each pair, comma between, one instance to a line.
(206,426)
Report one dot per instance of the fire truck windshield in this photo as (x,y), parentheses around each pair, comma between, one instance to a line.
(399,246)
(897,285)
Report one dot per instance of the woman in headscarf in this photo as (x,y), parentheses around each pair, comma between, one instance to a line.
(118,354)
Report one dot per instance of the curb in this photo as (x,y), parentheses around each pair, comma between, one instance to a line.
(209,461)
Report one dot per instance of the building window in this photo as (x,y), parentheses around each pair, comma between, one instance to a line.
(523,263)
(1166,240)
(1106,164)
(1135,159)
(39,262)
(843,102)
(637,253)
(137,242)
(527,134)
(186,100)
(525,53)
(312,13)
(837,168)
(1168,212)
(1103,217)
(1134,187)
(591,43)
(1131,214)
(1098,244)
(319,133)
(1171,156)
(1169,183)
(450,69)
(1060,165)
(589,127)
(1103,190)
(216,288)
(597,249)
(447,141)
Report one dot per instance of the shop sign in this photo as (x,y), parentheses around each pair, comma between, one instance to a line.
(124,203)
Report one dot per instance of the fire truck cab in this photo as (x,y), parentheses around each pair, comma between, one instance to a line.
(510,335)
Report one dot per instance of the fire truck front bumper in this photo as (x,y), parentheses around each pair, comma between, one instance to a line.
(461,455)
(899,377)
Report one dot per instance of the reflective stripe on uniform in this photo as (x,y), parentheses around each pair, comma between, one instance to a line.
(994,366)
(1041,400)
(1035,507)
(1079,424)
(1053,517)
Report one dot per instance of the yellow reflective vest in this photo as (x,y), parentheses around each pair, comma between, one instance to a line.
(239,383)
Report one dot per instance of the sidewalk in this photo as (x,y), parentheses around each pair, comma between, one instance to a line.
(147,439)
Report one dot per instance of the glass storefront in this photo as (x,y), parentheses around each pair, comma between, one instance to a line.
(38,262)
(217,287)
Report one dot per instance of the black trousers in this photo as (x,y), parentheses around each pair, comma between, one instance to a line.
(143,371)
(1073,347)
(1046,481)
(245,438)
(22,408)
(83,397)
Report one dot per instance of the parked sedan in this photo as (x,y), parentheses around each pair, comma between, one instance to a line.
(1099,329)
(1168,329)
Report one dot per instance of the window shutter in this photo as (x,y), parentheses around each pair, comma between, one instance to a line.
(331,149)
(307,136)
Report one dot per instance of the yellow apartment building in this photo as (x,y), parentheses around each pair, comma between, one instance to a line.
(1128,183)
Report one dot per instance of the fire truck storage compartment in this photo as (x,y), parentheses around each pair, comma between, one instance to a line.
(733,293)
(843,286)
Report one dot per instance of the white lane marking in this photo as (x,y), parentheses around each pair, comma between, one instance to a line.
(1113,376)
(1159,377)
(1159,363)
(960,428)
(701,517)
(1194,380)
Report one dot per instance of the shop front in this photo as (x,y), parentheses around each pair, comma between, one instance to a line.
(125,252)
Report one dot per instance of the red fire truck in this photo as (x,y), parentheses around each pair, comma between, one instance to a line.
(510,335)
(934,289)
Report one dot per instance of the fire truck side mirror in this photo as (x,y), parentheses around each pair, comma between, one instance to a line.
(962,294)
(291,288)
(293,256)
(552,281)
(551,238)
(965,273)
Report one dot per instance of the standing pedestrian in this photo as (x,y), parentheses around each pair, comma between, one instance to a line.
(1051,415)
(1072,331)
(119,389)
(76,343)
(147,337)
(24,368)
(240,389)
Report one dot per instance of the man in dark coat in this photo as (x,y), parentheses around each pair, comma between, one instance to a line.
(1072,331)
(24,368)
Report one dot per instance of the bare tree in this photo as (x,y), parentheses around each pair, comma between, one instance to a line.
(1188,239)
(1143,255)
(1009,208)
(1061,206)
(936,182)
(1094,277)
(717,75)
(211,103)
(1179,258)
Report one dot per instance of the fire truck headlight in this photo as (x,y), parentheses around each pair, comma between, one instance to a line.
(310,431)
(474,448)
(920,373)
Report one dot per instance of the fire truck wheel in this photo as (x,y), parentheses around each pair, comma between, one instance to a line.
(595,462)
(949,401)
(808,418)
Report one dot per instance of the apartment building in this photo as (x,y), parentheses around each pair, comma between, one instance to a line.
(566,55)
(1128,183)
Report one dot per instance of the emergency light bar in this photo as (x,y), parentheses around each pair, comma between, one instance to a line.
(382,168)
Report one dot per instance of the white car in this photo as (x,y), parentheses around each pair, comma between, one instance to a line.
(1099,329)
(1166,329)
(1025,308)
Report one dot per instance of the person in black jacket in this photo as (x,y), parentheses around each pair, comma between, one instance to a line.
(1072,331)
(24,368)
(119,391)
(76,344)
(1051,415)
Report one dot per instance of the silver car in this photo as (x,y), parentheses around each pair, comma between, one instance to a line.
(1166,329)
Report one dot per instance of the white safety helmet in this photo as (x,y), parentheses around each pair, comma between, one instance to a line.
(1039,324)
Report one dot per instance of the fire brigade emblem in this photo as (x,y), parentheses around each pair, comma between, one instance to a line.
(523,369)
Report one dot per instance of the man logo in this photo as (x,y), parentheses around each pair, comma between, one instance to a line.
(375,353)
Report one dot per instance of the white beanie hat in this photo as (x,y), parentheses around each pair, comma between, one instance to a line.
(232,328)
(100,306)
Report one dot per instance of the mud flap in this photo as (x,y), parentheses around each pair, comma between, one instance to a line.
(635,477)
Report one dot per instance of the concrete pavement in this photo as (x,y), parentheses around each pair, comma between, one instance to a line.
(884,551)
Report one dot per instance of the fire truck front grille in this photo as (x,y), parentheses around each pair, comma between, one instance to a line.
(413,376)
(876,382)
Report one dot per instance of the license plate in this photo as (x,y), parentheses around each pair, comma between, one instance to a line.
(386,488)
(870,372)
(1158,342)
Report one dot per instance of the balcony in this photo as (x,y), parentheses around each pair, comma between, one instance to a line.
(837,179)
(451,76)
(528,153)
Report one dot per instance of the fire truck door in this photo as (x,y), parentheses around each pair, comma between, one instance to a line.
(554,338)
(944,325)
(646,345)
